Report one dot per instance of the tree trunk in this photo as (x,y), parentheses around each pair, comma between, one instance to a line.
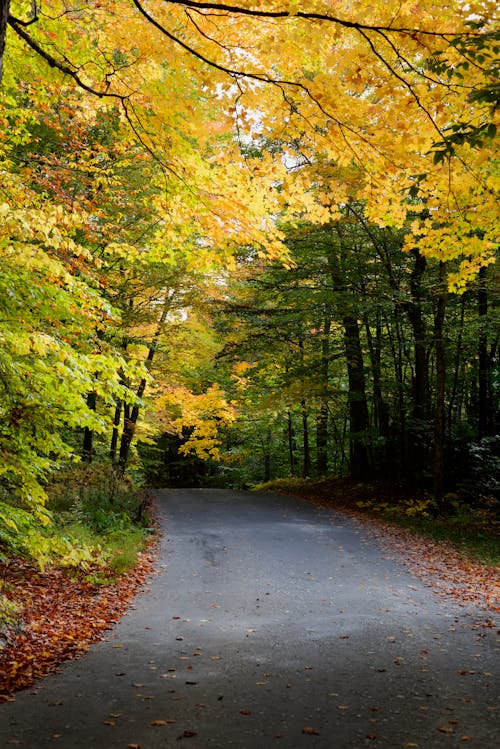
(322,440)
(130,415)
(358,408)
(306,466)
(322,416)
(88,435)
(291,443)
(440,413)
(418,449)
(4,17)
(116,431)
(484,405)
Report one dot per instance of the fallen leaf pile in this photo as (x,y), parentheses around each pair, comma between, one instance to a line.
(62,617)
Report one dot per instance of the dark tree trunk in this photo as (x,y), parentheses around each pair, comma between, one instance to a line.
(130,415)
(4,17)
(322,440)
(417,322)
(358,408)
(88,435)
(440,413)
(266,446)
(322,416)
(418,448)
(306,466)
(291,444)
(485,407)
(116,431)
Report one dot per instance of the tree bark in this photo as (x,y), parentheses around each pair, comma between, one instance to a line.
(131,415)
(291,444)
(484,406)
(358,408)
(4,17)
(418,447)
(322,416)
(88,435)
(440,413)
(306,465)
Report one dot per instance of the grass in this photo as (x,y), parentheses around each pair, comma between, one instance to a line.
(98,525)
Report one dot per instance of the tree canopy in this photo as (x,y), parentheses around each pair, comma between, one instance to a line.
(213,210)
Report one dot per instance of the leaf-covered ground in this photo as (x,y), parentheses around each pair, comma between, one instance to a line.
(62,617)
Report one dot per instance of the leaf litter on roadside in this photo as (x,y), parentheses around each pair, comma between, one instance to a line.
(62,617)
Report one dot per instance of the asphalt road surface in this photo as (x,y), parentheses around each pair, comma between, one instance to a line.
(271,623)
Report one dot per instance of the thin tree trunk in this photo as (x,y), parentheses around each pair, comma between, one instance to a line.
(291,443)
(266,446)
(322,440)
(322,416)
(453,406)
(88,435)
(440,413)
(484,405)
(116,431)
(131,415)
(358,408)
(4,17)
(306,467)
(419,454)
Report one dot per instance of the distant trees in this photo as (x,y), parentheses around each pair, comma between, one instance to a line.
(365,340)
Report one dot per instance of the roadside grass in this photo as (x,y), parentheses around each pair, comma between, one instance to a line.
(98,527)
(97,522)
(471,525)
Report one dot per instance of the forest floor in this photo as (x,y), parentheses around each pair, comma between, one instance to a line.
(63,614)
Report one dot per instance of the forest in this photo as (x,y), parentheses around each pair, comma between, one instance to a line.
(240,243)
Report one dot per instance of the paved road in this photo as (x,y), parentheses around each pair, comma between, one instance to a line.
(268,618)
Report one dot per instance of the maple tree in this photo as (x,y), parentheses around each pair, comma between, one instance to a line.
(395,92)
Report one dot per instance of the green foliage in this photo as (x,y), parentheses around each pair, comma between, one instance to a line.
(10,612)
(94,523)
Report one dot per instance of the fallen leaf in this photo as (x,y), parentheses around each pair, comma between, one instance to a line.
(167,722)
(245,712)
(310,731)
(444,729)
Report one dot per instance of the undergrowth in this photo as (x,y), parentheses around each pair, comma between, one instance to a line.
(95,524)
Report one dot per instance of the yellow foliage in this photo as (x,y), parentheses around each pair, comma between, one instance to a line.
(202,415)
